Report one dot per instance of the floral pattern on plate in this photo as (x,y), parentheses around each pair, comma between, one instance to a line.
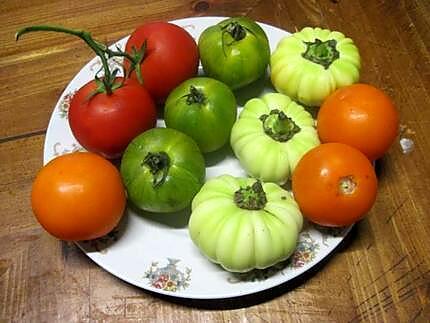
(64,105)
(168,278)
(60,149)
(306,251)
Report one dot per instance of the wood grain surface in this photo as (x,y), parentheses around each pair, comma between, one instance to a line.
(382,273)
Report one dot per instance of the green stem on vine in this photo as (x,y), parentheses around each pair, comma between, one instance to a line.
(101,50)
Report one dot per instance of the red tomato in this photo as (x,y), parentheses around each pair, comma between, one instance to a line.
(78,196)
(361,116)
(171,57)
(105,124)
(334,184)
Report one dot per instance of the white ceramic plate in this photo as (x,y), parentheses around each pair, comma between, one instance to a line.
(155,252)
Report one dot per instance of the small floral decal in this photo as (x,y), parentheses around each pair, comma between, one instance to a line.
(59,149)
(168,278)
(65,104)
(306,251)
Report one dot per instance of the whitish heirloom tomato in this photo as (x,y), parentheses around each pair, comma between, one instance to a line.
(310,64)
(271,135)
(242,224)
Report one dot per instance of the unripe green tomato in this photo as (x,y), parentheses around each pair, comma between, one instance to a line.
(204,109)
(162,170)
(235,51)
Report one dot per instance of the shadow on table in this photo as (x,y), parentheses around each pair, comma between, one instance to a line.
(259,297)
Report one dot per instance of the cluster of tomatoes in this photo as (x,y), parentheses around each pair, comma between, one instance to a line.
(85,190)
(335,183)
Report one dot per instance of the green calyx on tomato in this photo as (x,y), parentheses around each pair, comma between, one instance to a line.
(323,53)
(195,96)
(204,109)
(158,164)
(235,51)
(251,197)
(236,30)
(279,126)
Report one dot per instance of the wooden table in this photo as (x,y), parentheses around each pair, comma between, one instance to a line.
(381,274)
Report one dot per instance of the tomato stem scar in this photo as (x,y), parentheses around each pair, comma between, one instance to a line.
(347,185)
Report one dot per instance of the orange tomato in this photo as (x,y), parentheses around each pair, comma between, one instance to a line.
(78,196)
(334,185)
(361,116)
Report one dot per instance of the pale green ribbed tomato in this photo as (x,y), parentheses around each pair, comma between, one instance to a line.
(270,136)
(310,64)
(235,51)
(243,224)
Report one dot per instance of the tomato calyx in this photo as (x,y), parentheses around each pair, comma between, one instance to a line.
(195,96)
(158,164)
(322,53)
(107,83)
(347,185)
(251,197)
(236,31)
(279,126)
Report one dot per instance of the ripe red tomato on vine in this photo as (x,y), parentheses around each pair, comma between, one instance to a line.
(109,111)
(171,56)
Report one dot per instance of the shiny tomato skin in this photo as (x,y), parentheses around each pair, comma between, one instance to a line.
(359,115)
(105,124)
(171,56)
(317,179)
(78,196)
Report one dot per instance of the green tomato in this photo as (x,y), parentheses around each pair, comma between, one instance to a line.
(312,63)
(271,135)
(162,170)
(235,51)
(203,108)
(243,224)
